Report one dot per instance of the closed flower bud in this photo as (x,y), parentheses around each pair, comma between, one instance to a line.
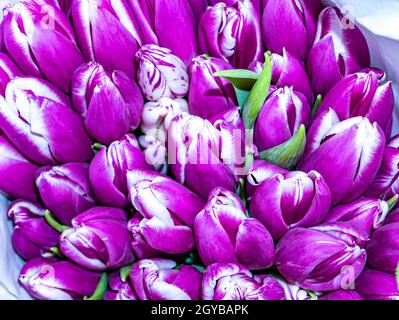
(376,285)
(161,73)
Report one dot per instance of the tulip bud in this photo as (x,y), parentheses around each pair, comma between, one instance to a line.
(261,170)
(110,187)
(17,174)
(98,239)
(161,73)
(156,120)
(290,24)
(8,71)
(280,118)
(158,279)
(119,289)
(168,208)
(65,190)
(330,257)
(100,32)
(139,244)
(228,281)
(242,240)
(32,236)
(295,199)
(366,214)
(40,38)
(288,71)
(232,32)
(209,94)
(30,118)
(342,295)
(276,288)
(338,50)
(376,285)
(362,95)
(386,183)
(111,105)
(50,279)
(200,156)
(347,155)
(383,248)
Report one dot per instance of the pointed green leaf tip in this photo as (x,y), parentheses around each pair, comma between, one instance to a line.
(101,288)
(317,104)
(242,81)
(288,154)
(50,219)
(257,96)
(124,272)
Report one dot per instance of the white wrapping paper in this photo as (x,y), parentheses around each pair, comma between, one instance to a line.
(379,20)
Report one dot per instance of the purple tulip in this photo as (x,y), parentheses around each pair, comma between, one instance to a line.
(140,246)
(40,38)
(209,95)
(288,71)
(98,239)
(260,171)
(376,285)
(295,199)
(32,236)
(102,36)
(240,240)
(110,187)
(201,156)
(228,281)
(290,24)
(232,32)
(342,295)
(30,118)
(119,289)
(198,7)
(361,94)
(283,113)
(160,73)
(8,71)
(392,217)
(168,208)
(17,174)
(158,279)
(156,120)
(383,248)
(276,288)
(339,49)
(111,105)
(366,214)
(50,279)
(256,3)
(386,183)
(65,190)
(347,154)
(323,258)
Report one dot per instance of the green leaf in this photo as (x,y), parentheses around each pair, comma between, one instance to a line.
(313,296)
(288,154)
(101,289)
(242,81)
(317,104)
(96,147)
(50,219)
(124,272)
(397,275)
(257,96)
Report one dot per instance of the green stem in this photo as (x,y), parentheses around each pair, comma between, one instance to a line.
(397,275)
(53,222)
(101,289)
(243,186)
(392,202)
(317,104)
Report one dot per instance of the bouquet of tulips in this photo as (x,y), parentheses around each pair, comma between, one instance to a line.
(195,149)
